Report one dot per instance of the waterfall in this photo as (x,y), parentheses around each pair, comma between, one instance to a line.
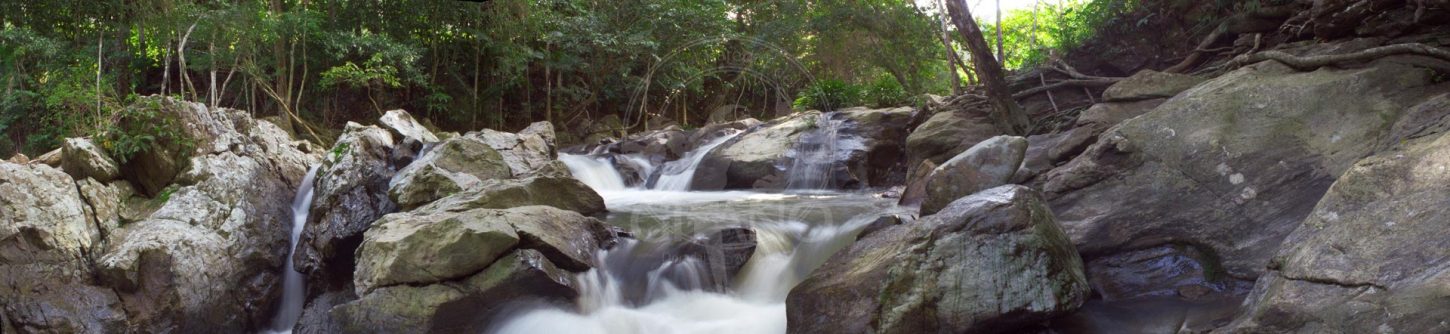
(677,175)
(814,155)
(597,172)
(293,287)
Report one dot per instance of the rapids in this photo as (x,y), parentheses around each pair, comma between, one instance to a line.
(647,285)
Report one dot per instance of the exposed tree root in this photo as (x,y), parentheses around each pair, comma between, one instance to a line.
(1262,20)
(1314,62)
(1103,82)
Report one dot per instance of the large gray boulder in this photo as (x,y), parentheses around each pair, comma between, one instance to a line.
(1232,164)
(874,141)
(751,156)
(349,193)
(405,128)
(989,164)
(431,246)
(560,192)
(466,305)
(454,165)
(988,263)
(209,257)
(82,255)
(947,133)
(46,239)
(526,152)
(453,266)
(1373,257)
(1047,151)
(868,147)
(81,159)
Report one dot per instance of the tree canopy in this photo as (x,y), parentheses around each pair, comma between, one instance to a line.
(70,66)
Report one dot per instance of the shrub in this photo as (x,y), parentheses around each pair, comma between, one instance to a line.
(886,92)
(827,95)
(143,126)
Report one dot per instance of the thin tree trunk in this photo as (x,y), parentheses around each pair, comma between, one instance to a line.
(952,59)
(166,71)
(1001,52)
(181,65)
(1010,117)
(99,66)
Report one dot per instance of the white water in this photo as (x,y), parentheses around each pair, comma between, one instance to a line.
(674,301)
(680,173)
(597,172)
(647,286)
(293,287)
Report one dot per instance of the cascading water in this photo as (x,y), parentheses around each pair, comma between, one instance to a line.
(643,289)
(599,172)
(815,154)
(677,175)
(293,287)
(658,282)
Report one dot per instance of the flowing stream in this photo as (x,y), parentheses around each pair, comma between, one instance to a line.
(293,287)
(659,282)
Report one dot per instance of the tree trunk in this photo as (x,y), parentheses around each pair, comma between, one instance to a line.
(953,61)
(1001,52)
(1009,116)
(279,79)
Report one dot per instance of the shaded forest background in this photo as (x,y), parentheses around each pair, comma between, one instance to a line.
(71,68)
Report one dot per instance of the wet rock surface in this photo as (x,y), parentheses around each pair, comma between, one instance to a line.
(992,262)
(865,149)
(351,191)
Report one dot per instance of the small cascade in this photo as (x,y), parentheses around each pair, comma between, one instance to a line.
(815,154)
(293,287)
(597,172)
(644,289)
(602,172)
(677,175)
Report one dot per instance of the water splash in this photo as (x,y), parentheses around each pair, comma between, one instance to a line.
(293,287)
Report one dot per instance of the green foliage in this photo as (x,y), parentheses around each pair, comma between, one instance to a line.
(885,92)
(463,65)
(373,73)
(165,194)
(338,150)
(149,124)
(828,95)
(1032,36)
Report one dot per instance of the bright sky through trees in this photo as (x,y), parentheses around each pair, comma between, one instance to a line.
(986,10)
